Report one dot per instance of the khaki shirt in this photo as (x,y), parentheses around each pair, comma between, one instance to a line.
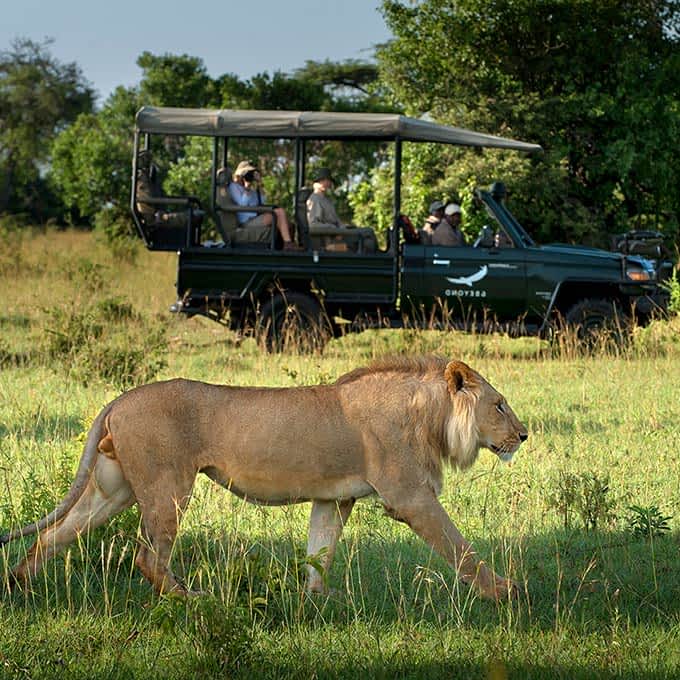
(321,212)
(446,235)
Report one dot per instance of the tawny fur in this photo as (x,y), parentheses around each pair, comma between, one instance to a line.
(386,429)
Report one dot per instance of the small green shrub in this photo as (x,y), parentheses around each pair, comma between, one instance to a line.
(116,229)
(647,521)
(586,495)
(108,340)
(672,285)
(219,637)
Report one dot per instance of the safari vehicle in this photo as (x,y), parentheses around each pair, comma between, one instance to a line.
(504,279)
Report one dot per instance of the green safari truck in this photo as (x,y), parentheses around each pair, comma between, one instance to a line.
(336,283)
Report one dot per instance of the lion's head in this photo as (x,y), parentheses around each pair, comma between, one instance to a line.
(481,418)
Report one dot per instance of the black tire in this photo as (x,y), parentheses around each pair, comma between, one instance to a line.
(595,317)
(293,322)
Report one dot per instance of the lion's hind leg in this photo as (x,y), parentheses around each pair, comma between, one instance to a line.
(325,526)
(161,513)
(106,494)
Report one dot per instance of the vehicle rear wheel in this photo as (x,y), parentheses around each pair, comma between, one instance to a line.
(596,317)
(293,322)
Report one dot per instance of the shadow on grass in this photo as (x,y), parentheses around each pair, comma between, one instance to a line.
(587,580)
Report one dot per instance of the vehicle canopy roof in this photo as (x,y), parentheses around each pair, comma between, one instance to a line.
(312,125)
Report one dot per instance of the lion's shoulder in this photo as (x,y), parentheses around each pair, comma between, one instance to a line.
(416,366)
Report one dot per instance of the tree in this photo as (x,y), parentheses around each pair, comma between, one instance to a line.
(91,159)
(39,96)
(596,82)
(174,80)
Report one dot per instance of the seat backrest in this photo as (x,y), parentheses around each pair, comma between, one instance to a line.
(227,222)
(301,215)
(148,186)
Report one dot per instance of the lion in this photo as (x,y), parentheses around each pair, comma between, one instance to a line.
(386,430)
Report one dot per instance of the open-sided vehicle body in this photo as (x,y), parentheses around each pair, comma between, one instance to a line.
(504,276)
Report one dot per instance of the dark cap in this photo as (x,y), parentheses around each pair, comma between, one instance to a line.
(321,173)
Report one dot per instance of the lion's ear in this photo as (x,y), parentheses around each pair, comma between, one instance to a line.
(460,376)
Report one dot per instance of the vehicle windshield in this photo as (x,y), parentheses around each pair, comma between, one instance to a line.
(507,222)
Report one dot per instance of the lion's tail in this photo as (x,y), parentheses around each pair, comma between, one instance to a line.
(82,477)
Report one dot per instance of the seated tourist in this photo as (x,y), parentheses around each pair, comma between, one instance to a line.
(323,219)
(245,191)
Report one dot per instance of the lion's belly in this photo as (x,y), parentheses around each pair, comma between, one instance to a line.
(259,487)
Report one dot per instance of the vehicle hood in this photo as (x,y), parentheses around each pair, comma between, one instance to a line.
(566,250)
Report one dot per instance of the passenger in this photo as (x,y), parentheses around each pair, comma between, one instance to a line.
(245,191)
(321,213)
(448,232)
(502,240)
(432,221)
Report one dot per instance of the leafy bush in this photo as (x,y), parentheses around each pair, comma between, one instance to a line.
(646,522)
(115,227)
(672,285)
(106,340)
(585,494)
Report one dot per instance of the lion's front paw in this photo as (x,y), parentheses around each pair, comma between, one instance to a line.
(495,587)
(505,589)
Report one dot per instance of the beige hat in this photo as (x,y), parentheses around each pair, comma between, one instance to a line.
(452,209)
(244,167)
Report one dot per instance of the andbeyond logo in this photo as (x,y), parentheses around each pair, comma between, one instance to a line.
(469,280)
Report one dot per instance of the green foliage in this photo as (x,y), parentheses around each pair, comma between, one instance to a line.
(38,97)
(585,494)
(91,159)
(219,636)
(174,80)
(672,286)
(116,228)
(106,340)
(648,521)
(594,82)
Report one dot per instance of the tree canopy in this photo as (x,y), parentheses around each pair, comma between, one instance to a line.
(596,82)
(39,97)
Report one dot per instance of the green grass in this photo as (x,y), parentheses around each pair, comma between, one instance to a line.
(597,602)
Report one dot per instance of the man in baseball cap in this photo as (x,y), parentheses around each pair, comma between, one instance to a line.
(432,221)
(448,233)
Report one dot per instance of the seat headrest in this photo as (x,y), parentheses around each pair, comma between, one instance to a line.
(223,176)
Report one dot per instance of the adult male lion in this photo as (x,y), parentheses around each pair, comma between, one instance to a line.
(386,429)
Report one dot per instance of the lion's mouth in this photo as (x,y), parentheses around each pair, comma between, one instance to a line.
(504,452)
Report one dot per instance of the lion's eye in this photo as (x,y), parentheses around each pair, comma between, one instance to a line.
(499,407)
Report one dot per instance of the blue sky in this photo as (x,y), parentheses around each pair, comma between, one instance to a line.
(245,38)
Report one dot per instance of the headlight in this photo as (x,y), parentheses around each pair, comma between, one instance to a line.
(638,274)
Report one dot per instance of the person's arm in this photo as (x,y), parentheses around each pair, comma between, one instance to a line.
(238,194)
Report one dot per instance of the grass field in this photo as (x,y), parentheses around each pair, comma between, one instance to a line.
(587,519)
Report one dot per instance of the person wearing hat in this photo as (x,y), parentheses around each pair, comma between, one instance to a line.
(321,213)
(432,221)
(448,232)
(245,191)
(320,209)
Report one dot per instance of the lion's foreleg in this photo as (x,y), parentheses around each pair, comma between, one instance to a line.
(426,516)
(325,526)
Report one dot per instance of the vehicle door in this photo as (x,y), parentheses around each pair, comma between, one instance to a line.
(476,282)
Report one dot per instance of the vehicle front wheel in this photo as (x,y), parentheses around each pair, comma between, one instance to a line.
(596,317)
(293,322)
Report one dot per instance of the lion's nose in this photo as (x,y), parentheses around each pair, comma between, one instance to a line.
(523,436)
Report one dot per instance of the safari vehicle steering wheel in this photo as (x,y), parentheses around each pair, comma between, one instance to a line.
(485,238)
